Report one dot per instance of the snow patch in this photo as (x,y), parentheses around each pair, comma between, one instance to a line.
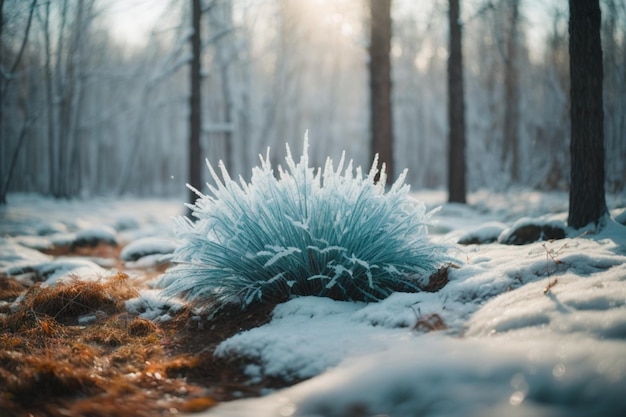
(14,256)
(96,234)
(484,233)
(594,305)
(151,305)
(290,345)
(436,376)
(147,246)
(63,269)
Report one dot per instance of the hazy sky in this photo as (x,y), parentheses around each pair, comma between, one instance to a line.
(132,20)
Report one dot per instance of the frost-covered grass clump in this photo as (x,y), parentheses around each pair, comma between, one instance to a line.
(327,232)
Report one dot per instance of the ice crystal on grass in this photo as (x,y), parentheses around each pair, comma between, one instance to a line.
(329,232)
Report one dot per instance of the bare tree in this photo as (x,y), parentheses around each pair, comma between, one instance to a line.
(552,111)
(64,92)
(456,109)
(195,103)
(586,198)
(29,121)
(51,141)
(221,27)
(109,112)
(6,78)
(157,73)
(73,99)
(380,83)
(4,84)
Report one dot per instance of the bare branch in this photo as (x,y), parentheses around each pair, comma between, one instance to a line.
(21,52)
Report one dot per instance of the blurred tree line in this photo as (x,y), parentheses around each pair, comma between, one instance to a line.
(82,114)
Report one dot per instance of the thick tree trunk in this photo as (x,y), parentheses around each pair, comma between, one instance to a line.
(456,109)
(586,198)
(195,120)
(380,83)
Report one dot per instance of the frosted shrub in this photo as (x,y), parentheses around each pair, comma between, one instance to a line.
(330,233)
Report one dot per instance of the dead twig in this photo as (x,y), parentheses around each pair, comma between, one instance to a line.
(550,285)
(429,322)
(552,254)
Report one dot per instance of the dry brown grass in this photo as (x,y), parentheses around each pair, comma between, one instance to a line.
(116,364)
(10,288)
(100,250)
(437,280)
(430,323)
(69,301)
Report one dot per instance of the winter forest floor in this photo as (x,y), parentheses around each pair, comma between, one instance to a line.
(68,344)
(531,322)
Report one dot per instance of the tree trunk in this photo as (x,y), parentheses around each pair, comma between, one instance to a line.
(380,83)
(79,35)
(4,187)
(511,98)
(50,132)
(195,120)
(456,109)
(60,102)
(586,198)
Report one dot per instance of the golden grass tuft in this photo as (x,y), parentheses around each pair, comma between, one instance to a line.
(119,285)
(180,365)
(69,300)
(66,301)
(33,328)
(121,330)
(111,332)
(10,288)
(196,405)
(9,342)
(142,327)
(41,378)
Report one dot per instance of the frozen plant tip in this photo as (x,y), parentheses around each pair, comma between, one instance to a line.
(327,232)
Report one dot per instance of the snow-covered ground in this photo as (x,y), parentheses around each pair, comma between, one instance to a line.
(538,329)
(31,223)
(530,330)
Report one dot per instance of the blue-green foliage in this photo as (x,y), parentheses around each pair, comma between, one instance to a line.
(330,232)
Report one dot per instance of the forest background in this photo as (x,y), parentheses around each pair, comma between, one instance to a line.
(87,110)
